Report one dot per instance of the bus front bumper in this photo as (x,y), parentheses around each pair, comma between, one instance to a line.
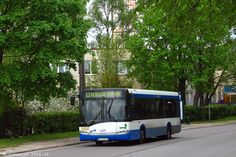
(131,135)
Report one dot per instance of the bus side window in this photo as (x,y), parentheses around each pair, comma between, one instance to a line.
(133,108)
(132,101)
(171,108)
(161,110)
(157,104)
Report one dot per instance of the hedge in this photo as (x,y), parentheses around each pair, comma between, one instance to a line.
(12,121)
(193,113)
(54,122)
(16,122)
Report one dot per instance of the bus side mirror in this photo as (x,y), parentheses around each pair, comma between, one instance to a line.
(72,100)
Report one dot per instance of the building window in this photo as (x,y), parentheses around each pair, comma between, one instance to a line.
(62,69)
(90,67)
(87,67)
(121,68)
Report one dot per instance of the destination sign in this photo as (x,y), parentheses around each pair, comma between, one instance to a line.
(105,94)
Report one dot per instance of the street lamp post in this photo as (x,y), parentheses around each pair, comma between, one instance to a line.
(81,76)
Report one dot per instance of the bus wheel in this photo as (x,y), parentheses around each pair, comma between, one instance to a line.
(99,143)
(168,133)
(142,136)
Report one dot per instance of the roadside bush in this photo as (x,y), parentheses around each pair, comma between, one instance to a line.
(12,121)
(1,122)
(232,110)
(193,113)
(53,122)
(217,111)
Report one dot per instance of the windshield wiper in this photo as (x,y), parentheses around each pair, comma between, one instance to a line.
(92,121)
(109,112)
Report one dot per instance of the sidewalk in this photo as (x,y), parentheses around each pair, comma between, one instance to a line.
(34,146)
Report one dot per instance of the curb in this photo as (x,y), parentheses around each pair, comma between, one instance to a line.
(9,153)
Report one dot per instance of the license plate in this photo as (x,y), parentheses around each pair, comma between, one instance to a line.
(103,139)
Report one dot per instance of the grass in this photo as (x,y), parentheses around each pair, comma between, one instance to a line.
(13,142)
(224,119)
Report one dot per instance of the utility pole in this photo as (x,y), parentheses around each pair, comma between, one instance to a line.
(209,112)
(81,76)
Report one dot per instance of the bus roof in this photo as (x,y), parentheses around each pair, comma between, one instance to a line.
(138,91)
(152,92)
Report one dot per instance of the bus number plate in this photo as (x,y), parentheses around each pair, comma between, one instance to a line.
(103,139)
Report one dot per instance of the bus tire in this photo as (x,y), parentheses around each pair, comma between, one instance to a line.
(142,136)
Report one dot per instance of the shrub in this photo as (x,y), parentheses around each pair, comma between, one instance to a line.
(1,122)
(12,121)
(232,110)
(193,113)
(54,122)
(218,111)
(15,122)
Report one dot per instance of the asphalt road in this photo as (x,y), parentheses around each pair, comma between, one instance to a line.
(218,141)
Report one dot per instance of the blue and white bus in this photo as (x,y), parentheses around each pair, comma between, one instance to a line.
(129,114)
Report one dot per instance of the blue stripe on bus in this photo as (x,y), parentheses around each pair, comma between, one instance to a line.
(145,96)
(131,135)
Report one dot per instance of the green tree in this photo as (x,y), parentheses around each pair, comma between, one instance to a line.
(212,53)
(36,37)
(180,43)
(109,17)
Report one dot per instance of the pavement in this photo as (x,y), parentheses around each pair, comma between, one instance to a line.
(34,146)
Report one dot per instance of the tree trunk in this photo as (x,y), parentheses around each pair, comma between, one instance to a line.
(207,99)
(210,95)
(1,55)
(196,99)
(201,99)
(182,89)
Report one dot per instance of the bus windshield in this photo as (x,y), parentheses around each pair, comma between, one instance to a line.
(99,110)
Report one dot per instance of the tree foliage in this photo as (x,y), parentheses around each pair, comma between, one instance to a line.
(110,23)
(180,43)
(36,37)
